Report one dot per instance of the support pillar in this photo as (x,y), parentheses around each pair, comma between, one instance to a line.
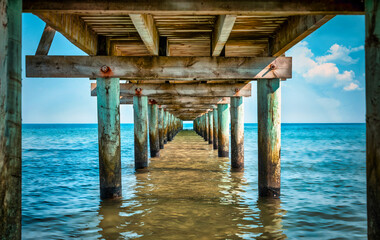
(10,119)
(372,73)
(206,126)
(161,127)
(269,137)
(237,133)
(170,127)
(108,98)
(166,114)
(140,109)
(223,130)
(210,127)
(215,128)
(154,138)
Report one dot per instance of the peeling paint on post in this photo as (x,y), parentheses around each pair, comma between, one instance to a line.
(10,119)
(269,137)
(154,139)
(161,127)
(210,127)
(215,128)
(140,109)
(372,73)
(108,99)
(237,133)
(223,130)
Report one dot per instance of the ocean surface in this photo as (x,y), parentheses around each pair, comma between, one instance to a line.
(189,192)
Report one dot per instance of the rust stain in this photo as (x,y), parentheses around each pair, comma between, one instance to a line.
(138,91)
(152,101)
(106,71)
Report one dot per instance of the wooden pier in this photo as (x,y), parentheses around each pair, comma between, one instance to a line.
(175,61)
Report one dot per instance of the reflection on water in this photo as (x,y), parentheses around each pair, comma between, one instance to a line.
(190,192)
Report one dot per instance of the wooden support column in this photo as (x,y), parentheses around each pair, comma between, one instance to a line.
(10,119)
(237,133)
(109,137)
(140,109)
(372,73)
(206,126)
(223,130)
(269,137)
(210,127)
(161,130)
(170,127)
(154,139)
(215,128)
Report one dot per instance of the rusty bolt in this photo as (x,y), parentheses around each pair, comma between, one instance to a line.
(237,90)
(138,91)
(104,68)
(272,67)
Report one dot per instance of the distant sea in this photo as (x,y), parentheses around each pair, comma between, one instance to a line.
(323,188)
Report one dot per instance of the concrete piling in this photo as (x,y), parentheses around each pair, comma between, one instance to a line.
(237,133)
(140,110)
(154,139)
(223,130)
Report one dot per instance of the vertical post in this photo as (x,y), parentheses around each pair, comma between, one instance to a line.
(223,130)
(166,114)
(140,109)
(269,136)
(372,73)
(206,126)
(10,118)
(237,133)
(169,133)
(154,139)
(108,98)
(210,127)
(161,127)
(215,130)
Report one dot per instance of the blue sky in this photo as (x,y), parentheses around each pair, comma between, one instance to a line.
(327,84)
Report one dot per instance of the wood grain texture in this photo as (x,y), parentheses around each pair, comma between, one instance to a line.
(140,116)
(145,26)
(223,28)
(237,133)
(45,41)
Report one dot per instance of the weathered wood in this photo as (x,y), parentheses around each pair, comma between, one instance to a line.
(223,130)
(176,100)
(215,128)
(154,138)
(169,133)
(140,116)
(197,7)
(161,127)
(10,119)
(166,116)
(269,137)
(45,41)
(109,137)
(223,28)
(293,31)
(144,24)
(372,73)
(74,29)
(156,68)
(206,122)
(210,127)
(237,133)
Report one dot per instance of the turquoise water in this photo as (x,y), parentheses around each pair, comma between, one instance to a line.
(323,188)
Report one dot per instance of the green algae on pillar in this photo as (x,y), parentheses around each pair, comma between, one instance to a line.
(223,130)
(269,136)
(215,128)
(140,116)
(166,114)
(108,98)
(210,127)
(372,73)
(161,127)
(10,119)
(154,139)
(237,133)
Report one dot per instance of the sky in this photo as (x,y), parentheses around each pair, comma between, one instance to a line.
(327,84)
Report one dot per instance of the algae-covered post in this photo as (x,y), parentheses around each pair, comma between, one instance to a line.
(140,116)
(206,127)
(10,119)
(108,92)
(223,130)
(269,136)
(210,127)
(166,114)
(154,139)
(215,128)
(237,133)
(161,127)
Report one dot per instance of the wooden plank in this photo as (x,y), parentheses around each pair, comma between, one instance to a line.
(146,28)
(45,41)
(74,29)
(293,31)
(176,100)
(156,68)
(200,7)
(223,28)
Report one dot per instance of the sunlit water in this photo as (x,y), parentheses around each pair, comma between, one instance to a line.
(190,193)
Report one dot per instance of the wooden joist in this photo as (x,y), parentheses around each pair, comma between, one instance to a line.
(144,24)
(45,41)
(198,7)
(223,28)
(168,68)
(188,89)
(176,100)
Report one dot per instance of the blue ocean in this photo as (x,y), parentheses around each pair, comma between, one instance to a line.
(190,193)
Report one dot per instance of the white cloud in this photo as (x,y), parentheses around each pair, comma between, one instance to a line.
(351,87)
(340,53)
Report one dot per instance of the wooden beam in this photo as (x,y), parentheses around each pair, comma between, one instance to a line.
(158,68)
(293,31)
(147,30)
(74,29)
(45,41)
(222,30)
(197,7)
(175,100)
